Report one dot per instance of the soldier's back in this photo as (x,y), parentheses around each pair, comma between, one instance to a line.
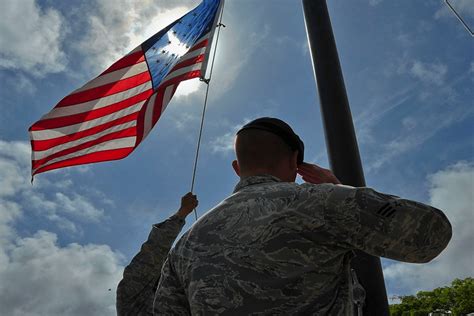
(265,249)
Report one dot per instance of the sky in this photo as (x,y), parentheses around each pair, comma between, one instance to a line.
(408,68)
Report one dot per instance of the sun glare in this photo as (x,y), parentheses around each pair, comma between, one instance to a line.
(176,47)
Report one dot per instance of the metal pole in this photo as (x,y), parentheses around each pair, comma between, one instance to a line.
(341,141)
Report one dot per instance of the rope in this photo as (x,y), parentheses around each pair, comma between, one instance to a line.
(460,18)
(206,81)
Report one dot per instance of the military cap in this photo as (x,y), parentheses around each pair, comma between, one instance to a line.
(281,129)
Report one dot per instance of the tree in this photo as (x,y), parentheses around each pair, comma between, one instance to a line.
(457,298)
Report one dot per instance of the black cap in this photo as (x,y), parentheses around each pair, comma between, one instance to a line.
(281,129)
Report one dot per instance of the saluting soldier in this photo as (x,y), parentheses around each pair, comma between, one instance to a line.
(279,248)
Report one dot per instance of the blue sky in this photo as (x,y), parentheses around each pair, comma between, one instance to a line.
(408,68)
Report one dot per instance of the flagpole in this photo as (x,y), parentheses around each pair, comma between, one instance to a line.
(207,82)
(341,140)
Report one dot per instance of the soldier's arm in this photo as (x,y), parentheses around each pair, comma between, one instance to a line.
(385,225)
(170,297)
(136,290)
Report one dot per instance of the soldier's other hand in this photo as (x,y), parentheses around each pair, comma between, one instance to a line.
(314,174)
(188,203)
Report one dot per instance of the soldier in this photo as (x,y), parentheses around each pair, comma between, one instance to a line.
(136,290)
(278,248)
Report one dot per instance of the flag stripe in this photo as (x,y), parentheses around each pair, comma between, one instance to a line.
(106,90)
(125,142)
(46,144)
(192,54)
(71,129)
(167,97)
(41,154)
(136,49)
(129,132)
(188,62)
(126,61)
(87,116)
(181,71)
(201,39)
(115,135)
(99,103)
(185,76)
(98,156)
(149,115)
(109,116)
(200,44)
(115,76)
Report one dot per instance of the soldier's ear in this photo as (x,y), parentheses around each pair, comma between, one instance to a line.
(236,167)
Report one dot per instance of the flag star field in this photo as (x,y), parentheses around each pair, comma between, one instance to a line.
(93,79)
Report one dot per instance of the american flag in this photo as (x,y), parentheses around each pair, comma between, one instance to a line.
(109,116)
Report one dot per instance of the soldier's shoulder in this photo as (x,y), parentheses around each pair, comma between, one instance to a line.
(310,188)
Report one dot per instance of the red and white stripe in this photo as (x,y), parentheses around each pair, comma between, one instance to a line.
(109,116)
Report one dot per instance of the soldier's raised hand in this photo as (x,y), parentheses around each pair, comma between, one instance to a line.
(188,203)
(314,174)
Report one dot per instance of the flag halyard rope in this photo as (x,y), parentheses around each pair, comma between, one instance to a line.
(207,82)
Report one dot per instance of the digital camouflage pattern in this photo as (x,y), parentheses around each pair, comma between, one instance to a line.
(279,248)
(136,290)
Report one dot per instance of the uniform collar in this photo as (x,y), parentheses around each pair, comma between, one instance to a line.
(252,180)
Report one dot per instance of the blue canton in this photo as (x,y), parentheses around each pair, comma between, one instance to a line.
(165,48)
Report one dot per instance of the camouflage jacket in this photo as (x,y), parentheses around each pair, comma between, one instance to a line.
(135,292)
(279,248)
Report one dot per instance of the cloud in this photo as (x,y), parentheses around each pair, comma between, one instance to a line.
(232,56)
(30,38)
(429,73)
(451,190)
(415,133)
(225,143)
(57,201)
(431,111)
(41,278)
(116,27)
(23,85)
(188,87)
(37,275)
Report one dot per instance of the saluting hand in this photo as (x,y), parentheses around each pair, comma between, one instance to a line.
(314,174)
(188,203)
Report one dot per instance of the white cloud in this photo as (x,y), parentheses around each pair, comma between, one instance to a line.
(451,190)
(30,38)
(24,85)
(41,278)
(14,159)
(116,27)
(232,56)
(429,73)
(376,109)
(53,200)
(416,132)
(188,87)
(225,142)
(37,276)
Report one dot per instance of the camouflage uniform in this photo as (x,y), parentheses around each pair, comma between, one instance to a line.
(136,291)
(279,248)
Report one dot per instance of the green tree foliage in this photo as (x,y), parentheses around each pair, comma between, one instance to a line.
(457,298)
